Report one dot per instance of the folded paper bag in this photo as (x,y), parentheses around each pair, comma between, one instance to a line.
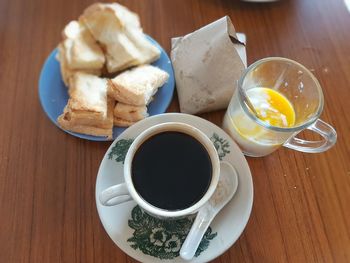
(207,64)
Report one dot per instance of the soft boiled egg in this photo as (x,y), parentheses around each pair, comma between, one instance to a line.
(272,107)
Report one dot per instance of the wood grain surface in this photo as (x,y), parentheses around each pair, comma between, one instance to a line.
(301,210)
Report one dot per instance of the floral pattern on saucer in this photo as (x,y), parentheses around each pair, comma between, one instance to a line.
(162,238)
(120,149)
(221,145)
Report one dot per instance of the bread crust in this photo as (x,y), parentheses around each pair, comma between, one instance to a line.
(130,112)
(122,123)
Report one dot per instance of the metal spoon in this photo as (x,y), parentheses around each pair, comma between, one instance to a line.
(224,192)
(247,102)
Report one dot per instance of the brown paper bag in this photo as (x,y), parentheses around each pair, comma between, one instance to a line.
(207,64)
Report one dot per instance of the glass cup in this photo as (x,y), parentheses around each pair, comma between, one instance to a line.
(299,88)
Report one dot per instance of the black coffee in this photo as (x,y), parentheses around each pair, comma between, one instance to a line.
(171,170)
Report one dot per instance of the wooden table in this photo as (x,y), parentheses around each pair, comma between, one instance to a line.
(301,210)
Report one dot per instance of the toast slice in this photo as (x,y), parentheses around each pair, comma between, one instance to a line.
(118,30)
(147,52)
(125,115)
(79,52)
(88,111)
(82,50)
(138,85)
(106,25)
(66,71)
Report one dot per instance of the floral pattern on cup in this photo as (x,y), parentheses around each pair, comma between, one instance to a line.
(162,238)
(221,145)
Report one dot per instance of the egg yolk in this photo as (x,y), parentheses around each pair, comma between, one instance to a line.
(272,107)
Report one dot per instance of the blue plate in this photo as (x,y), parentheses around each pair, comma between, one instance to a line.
(53,93)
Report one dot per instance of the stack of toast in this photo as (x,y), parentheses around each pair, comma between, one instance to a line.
(107,40)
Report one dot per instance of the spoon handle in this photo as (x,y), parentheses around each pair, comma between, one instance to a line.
(194,237)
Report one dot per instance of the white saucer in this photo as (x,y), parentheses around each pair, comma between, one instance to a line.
(152,240)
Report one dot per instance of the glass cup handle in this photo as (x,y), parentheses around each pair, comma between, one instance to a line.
(322,128)
(115,195)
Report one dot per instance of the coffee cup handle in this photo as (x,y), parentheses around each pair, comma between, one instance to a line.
(115,195)
(322,128)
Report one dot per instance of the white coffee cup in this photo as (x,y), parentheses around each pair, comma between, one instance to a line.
(126,191)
